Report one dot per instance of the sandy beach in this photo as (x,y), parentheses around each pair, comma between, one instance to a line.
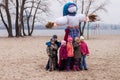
(25,59)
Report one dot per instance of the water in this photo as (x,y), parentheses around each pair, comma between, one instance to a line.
(49,32)
(60,32)
(45,32)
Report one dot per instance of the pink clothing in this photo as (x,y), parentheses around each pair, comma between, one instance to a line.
(63,52)
(70,50)
(62,55)
(84,48)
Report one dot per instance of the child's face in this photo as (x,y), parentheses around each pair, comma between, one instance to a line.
(64,44)
(81,40)
(55,39)
(52,42)
(70,41)
(78,41)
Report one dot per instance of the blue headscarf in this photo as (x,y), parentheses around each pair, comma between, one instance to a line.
(65,9)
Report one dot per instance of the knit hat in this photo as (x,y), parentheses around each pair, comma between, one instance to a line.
(70,38)
(81,38)
(63,42)
(77,39)
(54,36)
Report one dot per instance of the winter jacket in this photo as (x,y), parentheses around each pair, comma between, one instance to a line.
(77,51)
(51,51)
(70,50)
(63,52)
(84,48)
(56,42)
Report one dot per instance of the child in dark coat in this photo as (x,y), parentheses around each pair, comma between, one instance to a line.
(51,51)
(58,45)
(77,54)
(62,56)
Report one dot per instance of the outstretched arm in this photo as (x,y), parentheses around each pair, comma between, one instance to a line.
(58,22)
(91,17)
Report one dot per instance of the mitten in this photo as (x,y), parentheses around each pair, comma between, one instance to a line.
(49,25)
(92,17)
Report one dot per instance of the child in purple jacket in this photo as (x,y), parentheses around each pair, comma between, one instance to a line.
(62,56)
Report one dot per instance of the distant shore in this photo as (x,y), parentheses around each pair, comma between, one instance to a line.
(61,32)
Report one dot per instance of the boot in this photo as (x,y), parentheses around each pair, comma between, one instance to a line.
(75,68)
(68,68)
(50,69)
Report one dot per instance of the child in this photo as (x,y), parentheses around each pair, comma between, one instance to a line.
(62,55)
(77,53)
(51,51)
(85,51)
(70,53)
(58,45)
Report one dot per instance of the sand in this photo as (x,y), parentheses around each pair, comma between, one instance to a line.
(25,59)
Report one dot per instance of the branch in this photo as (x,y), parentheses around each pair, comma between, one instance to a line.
(88,7)
(3,20)
(12,2)
(2,5)
(101,7)
(82,6)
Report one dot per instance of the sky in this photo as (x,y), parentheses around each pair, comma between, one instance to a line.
(112,16)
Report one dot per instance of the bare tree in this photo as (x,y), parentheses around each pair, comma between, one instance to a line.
(17,19)
(31,13)
(33,10)
(1,14)
(21,16)
(8,25)
(37,6)
(91,8)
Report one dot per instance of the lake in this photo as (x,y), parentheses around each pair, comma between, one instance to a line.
(60,32)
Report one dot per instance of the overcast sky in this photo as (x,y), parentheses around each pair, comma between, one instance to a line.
(113,14)
(110,17)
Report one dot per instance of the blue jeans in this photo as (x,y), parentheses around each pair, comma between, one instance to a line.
(83,62)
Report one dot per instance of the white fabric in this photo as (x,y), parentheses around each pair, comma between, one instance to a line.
(72,9)
(61,21)
(70,20)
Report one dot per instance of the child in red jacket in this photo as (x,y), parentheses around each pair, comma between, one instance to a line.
(62,56)
(70,54)
(84,51)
